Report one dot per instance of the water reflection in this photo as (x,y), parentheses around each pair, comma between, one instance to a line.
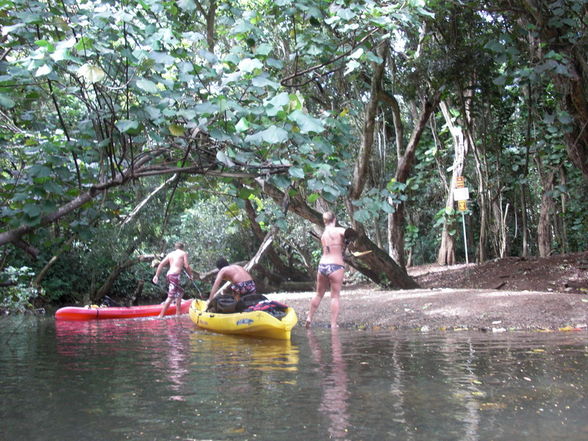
(334,397)
(163,343)
(174,364)
(468,386)
(235,352)
(242,366)
(459,362)
(148,379)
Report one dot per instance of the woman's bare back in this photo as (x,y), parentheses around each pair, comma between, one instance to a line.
(333,244)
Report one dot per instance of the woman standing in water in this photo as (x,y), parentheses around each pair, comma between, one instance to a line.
(331,269)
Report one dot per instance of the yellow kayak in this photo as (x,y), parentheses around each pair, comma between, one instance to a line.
(253,323)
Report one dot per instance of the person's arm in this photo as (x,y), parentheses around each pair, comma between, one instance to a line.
(345,237)
(160,267)
(187,267)
(216,285)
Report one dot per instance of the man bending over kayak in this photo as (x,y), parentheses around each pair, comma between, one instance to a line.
(242,286)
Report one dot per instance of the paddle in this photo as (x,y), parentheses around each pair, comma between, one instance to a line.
(195,286)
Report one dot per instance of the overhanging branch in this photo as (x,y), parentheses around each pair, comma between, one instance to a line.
(140,169)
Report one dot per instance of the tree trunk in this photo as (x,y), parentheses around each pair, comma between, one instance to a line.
(500,230)
(403,171)
(107,285)
(446,254)
(524,221)
(561,220)
(286,272)
(483,203)
(377,265)
(367,134)
(544,225)
(396,235)
(41,275)
(137,293)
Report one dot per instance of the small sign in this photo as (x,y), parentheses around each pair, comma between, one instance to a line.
(459,182)
(461,194)
(462,205)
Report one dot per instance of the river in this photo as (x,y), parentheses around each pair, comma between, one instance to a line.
(148,379)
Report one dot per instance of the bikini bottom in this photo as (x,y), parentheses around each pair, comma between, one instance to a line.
(327,269)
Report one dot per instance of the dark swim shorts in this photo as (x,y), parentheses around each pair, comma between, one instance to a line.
(244,288)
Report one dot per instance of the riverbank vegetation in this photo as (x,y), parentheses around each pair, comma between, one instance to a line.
(126,126)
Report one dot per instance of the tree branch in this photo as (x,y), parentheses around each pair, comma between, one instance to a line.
(318,66)
(144,202)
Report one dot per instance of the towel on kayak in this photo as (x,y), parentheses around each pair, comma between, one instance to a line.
(226,303)
(272,307)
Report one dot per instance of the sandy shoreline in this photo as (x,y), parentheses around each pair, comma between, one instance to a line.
(447,309)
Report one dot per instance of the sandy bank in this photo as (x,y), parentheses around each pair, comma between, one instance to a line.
(434,309)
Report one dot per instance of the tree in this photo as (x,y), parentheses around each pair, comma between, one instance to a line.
(559,32)
(146,105)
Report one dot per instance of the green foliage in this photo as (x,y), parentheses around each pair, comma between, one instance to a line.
(411,236)
(212,228)
(378,202)
(576,215)
(18,296)
(279,89)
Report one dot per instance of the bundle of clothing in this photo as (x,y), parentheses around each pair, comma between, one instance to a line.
(226,304)
(272,307)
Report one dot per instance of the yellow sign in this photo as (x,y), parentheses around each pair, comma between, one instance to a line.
(462,205)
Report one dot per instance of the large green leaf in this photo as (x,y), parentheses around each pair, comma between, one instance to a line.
(43,70)
(362,215)
(307,123)
(187,5)
(250,64)
(92,74)
(39,171)
(265,81)
(32,210)
(277,104)
(6,101)
(274,135)
(147,85)
(127,126)
(296,172)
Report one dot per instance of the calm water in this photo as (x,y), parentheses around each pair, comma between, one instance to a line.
(166,380)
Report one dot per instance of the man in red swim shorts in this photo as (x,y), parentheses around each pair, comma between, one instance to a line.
(177,261)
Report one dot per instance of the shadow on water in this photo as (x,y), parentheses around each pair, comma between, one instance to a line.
(149,379)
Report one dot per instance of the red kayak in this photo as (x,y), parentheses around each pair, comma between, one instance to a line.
(117,312)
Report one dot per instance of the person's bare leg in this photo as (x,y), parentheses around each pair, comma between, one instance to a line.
(178,306)
(165,306)
(336,280)
(322,283)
